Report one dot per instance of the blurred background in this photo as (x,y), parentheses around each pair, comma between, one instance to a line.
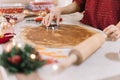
(59,3)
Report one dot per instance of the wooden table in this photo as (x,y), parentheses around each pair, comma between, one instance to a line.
(102,65)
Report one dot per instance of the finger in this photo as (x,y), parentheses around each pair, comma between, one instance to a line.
(107,28)
(43,21)
(47,19)
(114,34)
(110,30)
(115,38)
(50,19)
(58,20)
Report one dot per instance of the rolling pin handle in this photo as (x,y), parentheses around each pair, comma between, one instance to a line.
(78,57)
(70,60)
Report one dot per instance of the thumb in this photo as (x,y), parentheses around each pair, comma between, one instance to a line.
(58,20)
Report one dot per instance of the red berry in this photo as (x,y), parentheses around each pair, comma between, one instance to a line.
(15,59)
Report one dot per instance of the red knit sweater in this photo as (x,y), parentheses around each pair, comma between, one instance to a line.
(100,13)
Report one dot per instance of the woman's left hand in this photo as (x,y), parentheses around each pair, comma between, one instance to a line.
(112,32)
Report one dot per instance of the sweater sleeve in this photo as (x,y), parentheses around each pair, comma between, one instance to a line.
(81,3)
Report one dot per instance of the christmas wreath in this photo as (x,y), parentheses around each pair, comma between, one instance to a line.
(24,60)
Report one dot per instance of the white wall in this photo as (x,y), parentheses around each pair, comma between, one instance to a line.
(61,3)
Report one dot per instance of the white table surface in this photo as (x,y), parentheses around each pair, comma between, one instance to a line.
(99,66)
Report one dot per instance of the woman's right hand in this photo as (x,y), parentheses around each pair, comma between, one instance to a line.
(55,13)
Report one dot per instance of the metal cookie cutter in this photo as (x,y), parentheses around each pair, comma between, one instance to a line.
(52,27)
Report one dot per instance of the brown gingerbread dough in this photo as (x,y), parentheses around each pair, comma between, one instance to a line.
(65,36)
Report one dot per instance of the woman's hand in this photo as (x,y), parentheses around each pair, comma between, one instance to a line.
(112,32)
(55,13)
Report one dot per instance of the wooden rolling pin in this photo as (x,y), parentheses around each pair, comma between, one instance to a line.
(83,50)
